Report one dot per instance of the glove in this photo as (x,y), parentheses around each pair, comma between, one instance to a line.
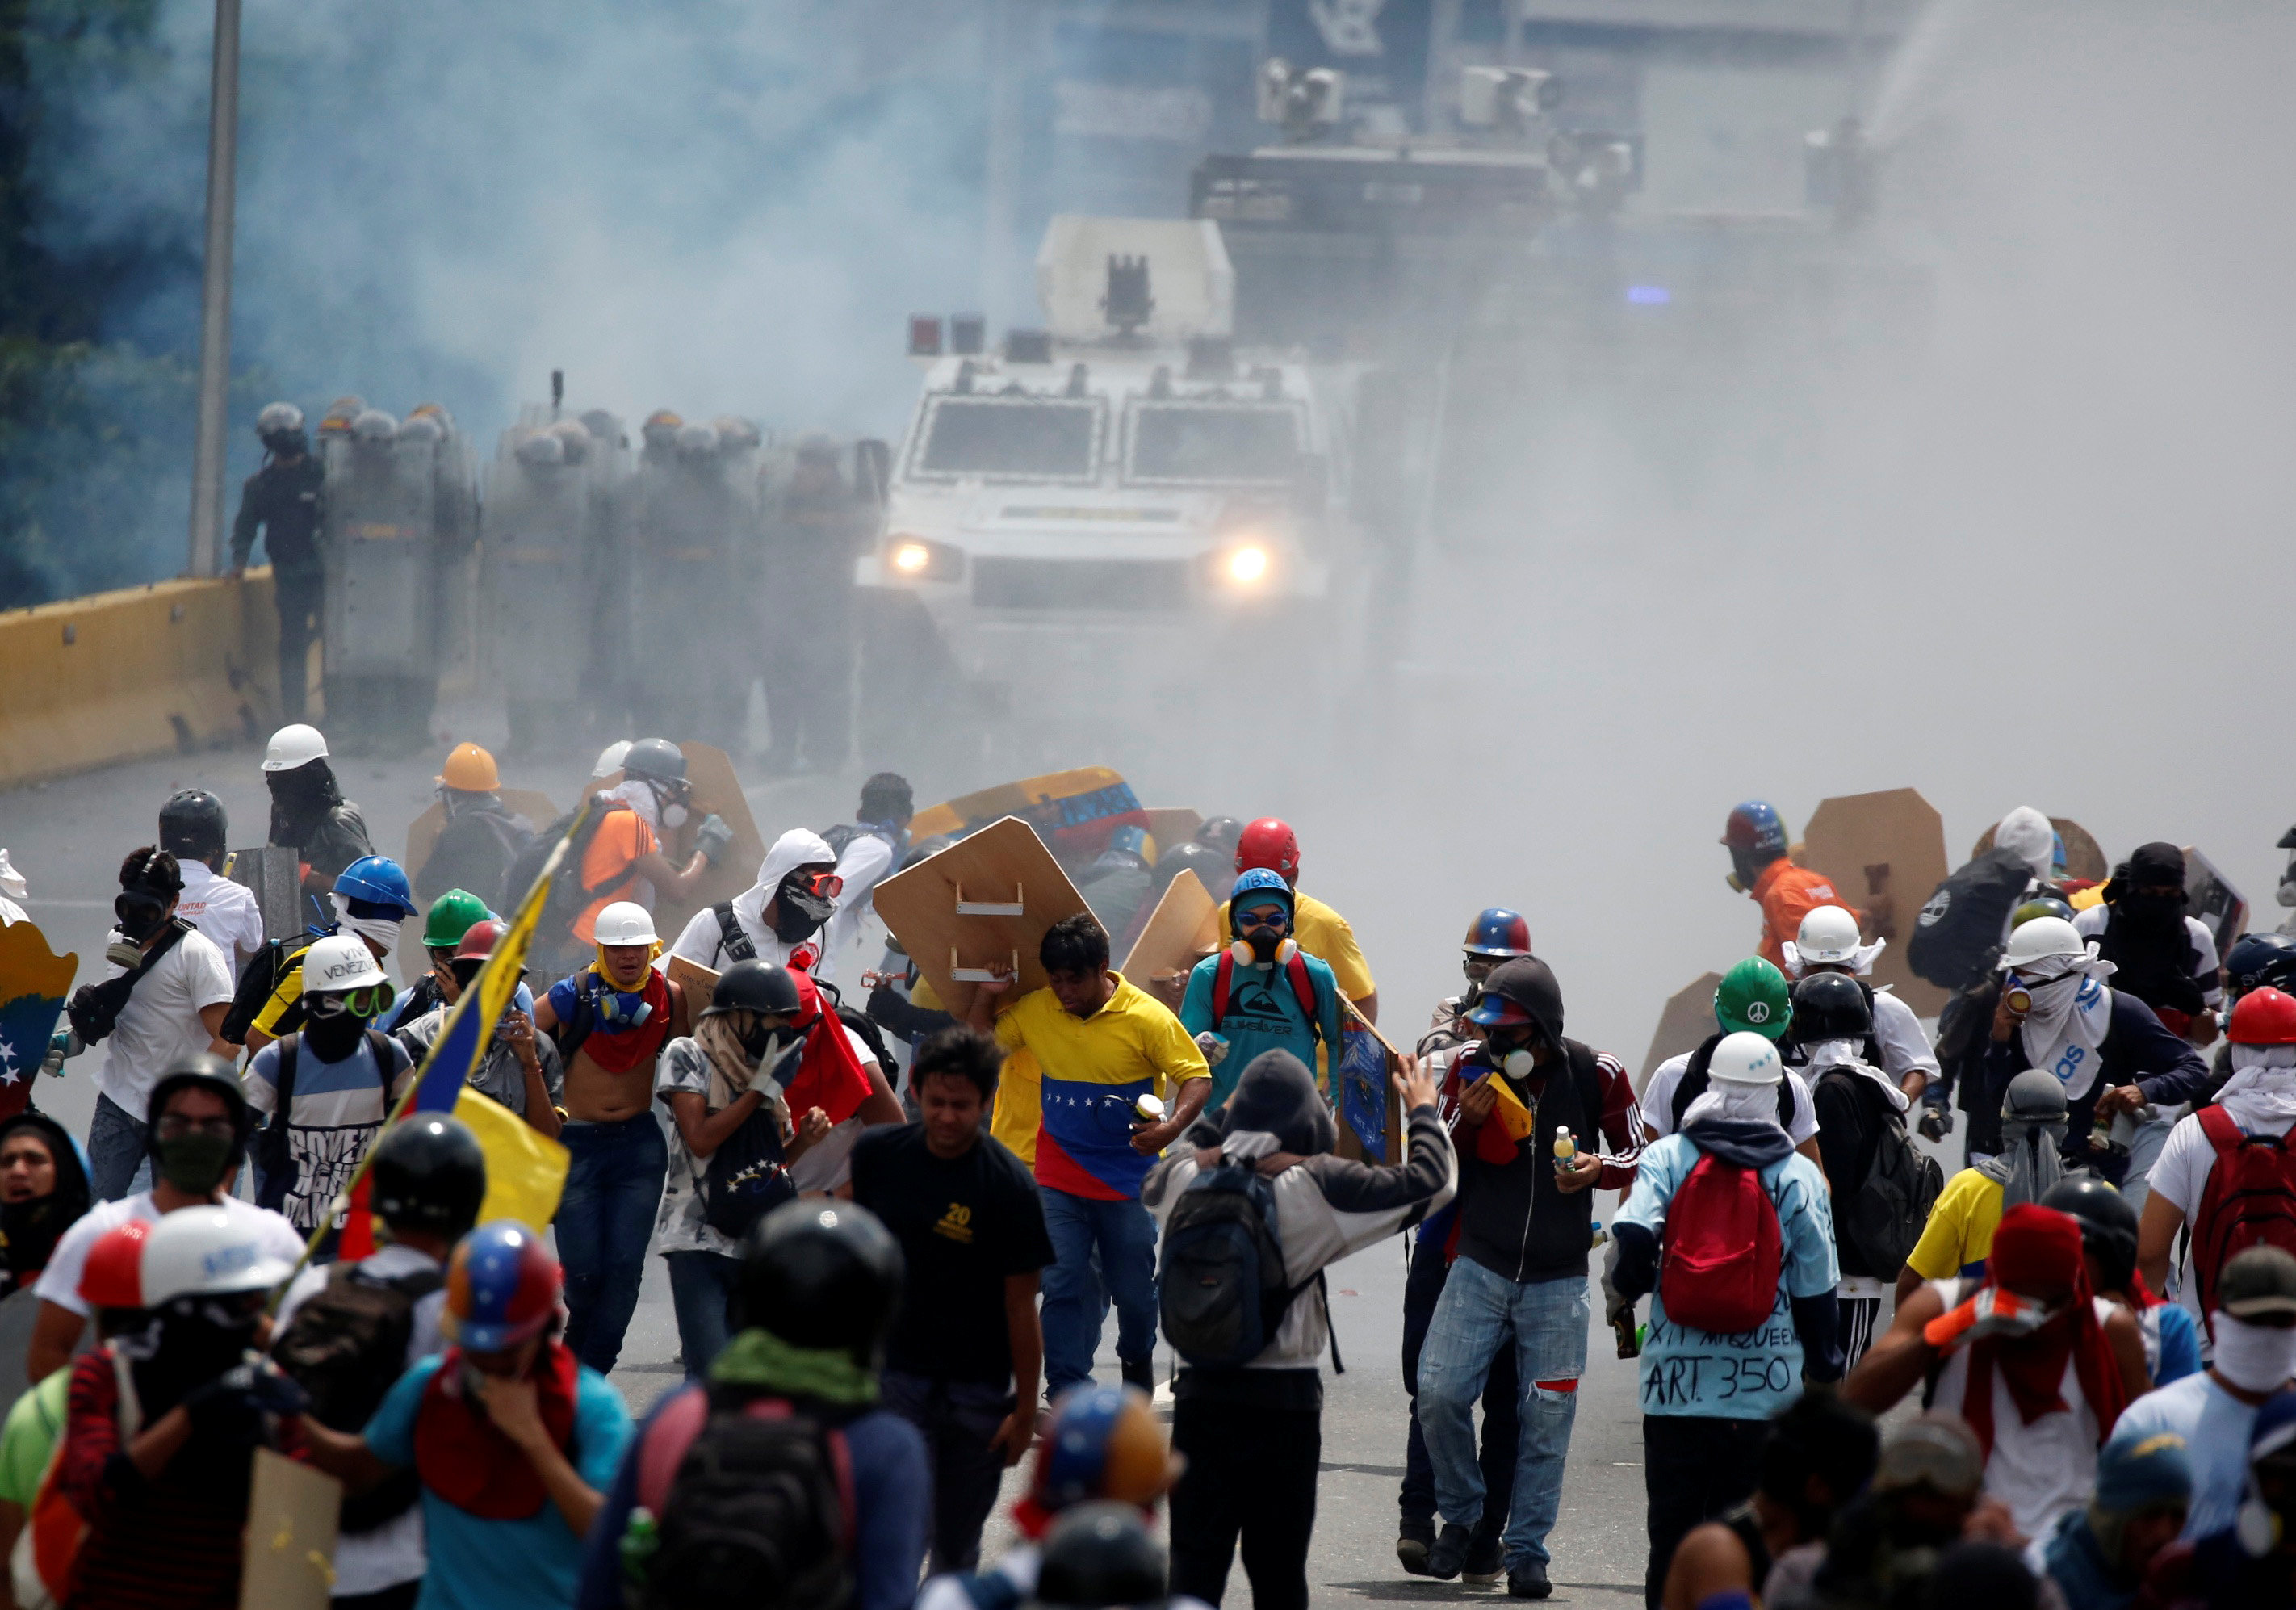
(1213,1046)
(62,1044)
(712,837)
(1936,1120)
(229,1408)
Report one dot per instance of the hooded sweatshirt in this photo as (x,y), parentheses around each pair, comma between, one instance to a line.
(1326,1207)
(32,1229)
(703,941)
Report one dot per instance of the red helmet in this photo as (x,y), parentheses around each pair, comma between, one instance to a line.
(2264,1017)
(1270,843)
(113,1274)
(479,940)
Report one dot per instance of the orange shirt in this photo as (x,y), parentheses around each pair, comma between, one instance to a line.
(1789,893)
(622,840)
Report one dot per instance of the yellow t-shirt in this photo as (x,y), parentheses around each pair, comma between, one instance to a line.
(1959,1235)
(1325,934)
(1089,1071)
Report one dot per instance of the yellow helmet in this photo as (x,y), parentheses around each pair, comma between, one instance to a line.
(471,770)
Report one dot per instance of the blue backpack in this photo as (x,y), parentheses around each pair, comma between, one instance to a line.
(1220,1279)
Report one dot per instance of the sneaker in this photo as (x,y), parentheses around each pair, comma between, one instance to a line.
(1486,1560)
(1140,1373)
(1528,1581)
(1449,1553)
(1411,1546)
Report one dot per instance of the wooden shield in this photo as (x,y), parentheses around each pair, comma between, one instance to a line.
(1688,1018)
(1183,928)
(715,789)
(986,901)
(1884,853)
(422,832)
(2219,906)
(2085,858)
(292,1513)
(34,984)
(1072,811)
(1170,825)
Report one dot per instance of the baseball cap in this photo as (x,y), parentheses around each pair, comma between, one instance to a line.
(1933,1451)
(2259,1281)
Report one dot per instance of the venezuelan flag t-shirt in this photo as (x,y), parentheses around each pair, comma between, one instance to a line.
(1093,1069)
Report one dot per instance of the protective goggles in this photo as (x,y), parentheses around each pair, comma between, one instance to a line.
(824,885)
(371,1001)
(1263,916)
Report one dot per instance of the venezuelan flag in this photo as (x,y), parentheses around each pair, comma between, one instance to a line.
(526,1171)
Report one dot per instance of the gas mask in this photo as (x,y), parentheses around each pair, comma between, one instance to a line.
(1264,942)
(764,1041)
(669,804)
(1511,1055)
(141,914)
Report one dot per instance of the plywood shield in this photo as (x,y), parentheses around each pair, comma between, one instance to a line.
(1170,825)
(2085,858)
(291,1514)
(35,982)
(1013,890)
(422,832)
(700,982)
(2215,901)
(1688,1018)
(1884,853)
(1183,929)
(1072,811)
(715,789)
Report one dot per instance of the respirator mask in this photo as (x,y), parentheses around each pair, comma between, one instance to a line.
(140,913)
(1262,940)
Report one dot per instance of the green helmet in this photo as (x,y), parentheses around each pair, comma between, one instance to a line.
(2040,905)
(1754,996)
(452,915)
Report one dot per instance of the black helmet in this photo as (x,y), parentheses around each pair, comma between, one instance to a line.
(208,1072)
(429,1173)
(2108,1223)
(823,1273)
(1191,855)
(755,986)
(2256,959)
(191,824)
(1100,1555)
(656,759)
(1830,1006)
(1219,833)
(1530,983)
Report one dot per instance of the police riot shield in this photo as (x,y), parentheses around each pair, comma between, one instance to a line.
(379,541)
(549,501)
(691,575)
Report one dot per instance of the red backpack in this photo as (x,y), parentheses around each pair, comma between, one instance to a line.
(1718,1268)
(2249,1201)
(1303,988)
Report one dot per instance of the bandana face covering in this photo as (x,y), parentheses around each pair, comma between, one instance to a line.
(2254,1357)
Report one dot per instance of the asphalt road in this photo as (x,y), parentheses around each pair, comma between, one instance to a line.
(67,838)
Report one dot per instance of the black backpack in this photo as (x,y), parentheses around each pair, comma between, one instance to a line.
(257,981)
(746,1178)
(568,892)
(752,1505)
(347,1347)
(1957,937)
(96,1008)
(1885,1220)
(1220,1282)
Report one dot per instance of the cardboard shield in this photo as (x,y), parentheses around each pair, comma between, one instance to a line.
(715,789)
(1884,853)
(2085,859)
(985,902)
(1688,1018)
(35,982)
(2219,906)
(1072,811)
(422,832)
(1183,929)
(292,1513)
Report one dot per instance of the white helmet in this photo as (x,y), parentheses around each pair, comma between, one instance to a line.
(1745,1058)
(339,961)
(204,1251)
(293,747)
(1829,933)
(609,759)
(2040,938)
(625,923)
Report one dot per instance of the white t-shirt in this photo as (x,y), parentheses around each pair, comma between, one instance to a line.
(223,911)
(2181,1172)
(2039,1471)
(2215,1426)
(1897,1031)
(1658,1101)
(159,1026)
(60,1283)
(864,865)
(369,1562)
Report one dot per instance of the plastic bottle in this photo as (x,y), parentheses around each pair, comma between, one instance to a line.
(1565,1148)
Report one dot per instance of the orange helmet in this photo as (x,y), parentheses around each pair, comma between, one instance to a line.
(471,770)
(1105,1444)
(113,1277)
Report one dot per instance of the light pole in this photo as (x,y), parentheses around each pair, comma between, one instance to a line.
(215,295)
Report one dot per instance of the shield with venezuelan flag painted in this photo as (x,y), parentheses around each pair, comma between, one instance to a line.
(33,983)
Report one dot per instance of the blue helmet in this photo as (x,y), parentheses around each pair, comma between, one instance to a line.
(1755,827)
(1257,887)
(379,882)
(1498,932)
(2256,959)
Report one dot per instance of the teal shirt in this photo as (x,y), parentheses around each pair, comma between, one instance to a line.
(1753,1376)
(1263,1014)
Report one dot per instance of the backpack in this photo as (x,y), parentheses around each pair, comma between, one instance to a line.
(347,1347)
(746,1177)
(872,1033)
(46,1560)
(568,892)
(731,941)
(1221,1290)
(753,1503)
(1719,1267)
(2249,1200)
(1694,1083)
(273,1153)
(1886,1218)
(258,980)
(1303,989)
(96,1008)
(1957,937)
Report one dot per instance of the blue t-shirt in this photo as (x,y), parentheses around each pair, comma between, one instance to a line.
(481,1564)
(1750,1377)
(892,1501)
(1263,1014)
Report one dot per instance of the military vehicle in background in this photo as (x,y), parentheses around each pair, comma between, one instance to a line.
(1103,509)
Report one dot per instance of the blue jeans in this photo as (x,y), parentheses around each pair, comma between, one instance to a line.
(1471,1323)
(116,1152)
(701,1288)
(605,1220)
(1126,1237)
(2144,1152)
(956,1419)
